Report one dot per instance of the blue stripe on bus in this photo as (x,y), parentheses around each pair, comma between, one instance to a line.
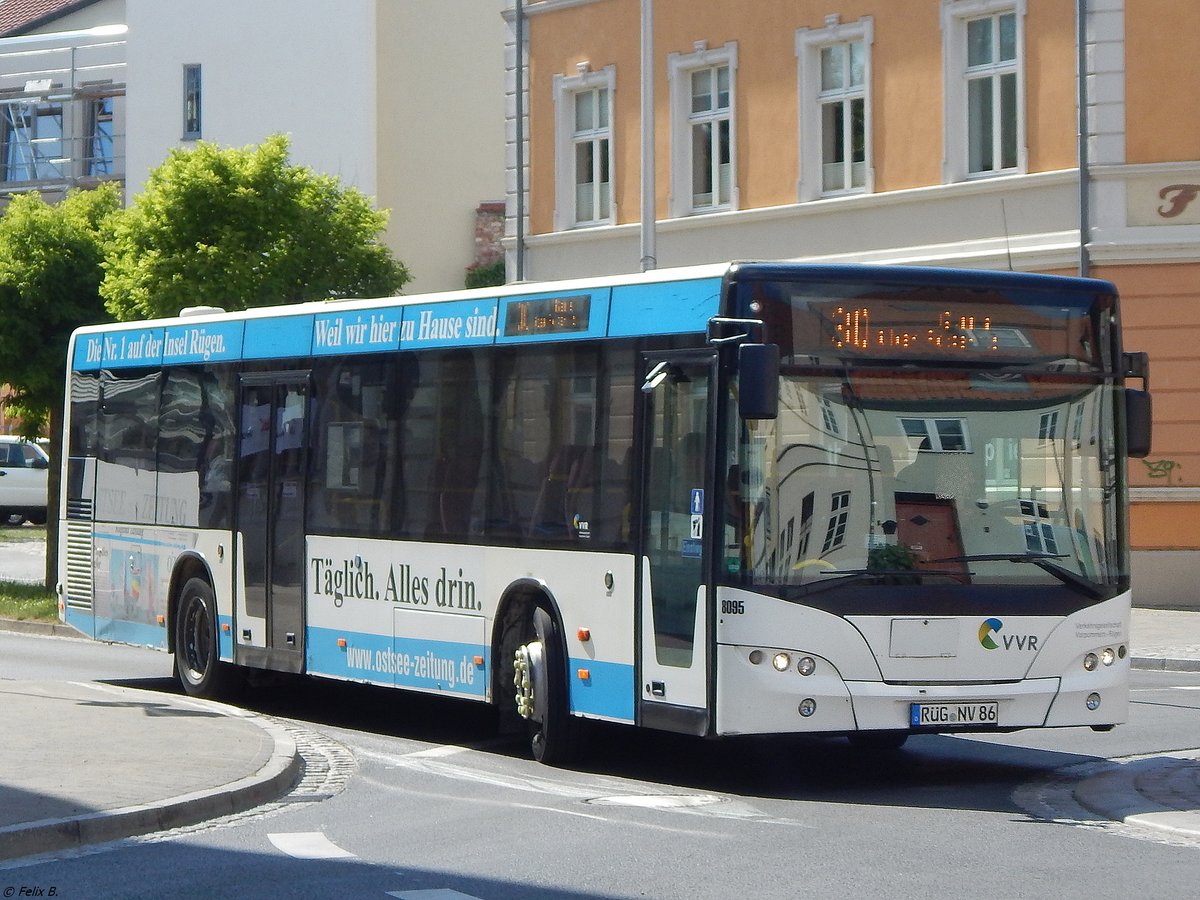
(669,307)
(83,622)
(406,662)
(143,541)
(119,349)
(356,331)
(278,337)
(121,631)
(608,691)
(461,323)
(210,342)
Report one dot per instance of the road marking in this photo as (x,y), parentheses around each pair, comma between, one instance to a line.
(435,894)
(308,845)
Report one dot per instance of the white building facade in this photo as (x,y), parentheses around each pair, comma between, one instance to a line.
(401,99)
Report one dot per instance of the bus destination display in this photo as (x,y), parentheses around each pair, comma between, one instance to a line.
(547,315)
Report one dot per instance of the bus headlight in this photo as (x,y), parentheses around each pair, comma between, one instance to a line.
(1108,657)
(781,661)
(808,707)
(1093,701)
(1091,661)
(806,666)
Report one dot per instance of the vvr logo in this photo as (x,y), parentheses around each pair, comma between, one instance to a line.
(990,629)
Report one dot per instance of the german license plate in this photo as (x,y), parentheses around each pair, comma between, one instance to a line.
(940,715)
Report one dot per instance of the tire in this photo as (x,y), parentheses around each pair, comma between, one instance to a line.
(554,735)
(197,651)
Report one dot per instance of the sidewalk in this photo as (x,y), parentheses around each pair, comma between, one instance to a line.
(1165,639)
(89,763)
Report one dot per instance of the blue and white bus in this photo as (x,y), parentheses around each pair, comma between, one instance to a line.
(748,499)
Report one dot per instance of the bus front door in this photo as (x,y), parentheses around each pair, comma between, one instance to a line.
(272,475)
(674,590)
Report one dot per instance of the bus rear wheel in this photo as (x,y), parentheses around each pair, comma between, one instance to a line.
(540,691)
(198,664)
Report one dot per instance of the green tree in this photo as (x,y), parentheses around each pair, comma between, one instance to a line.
(50,273)
(238,228)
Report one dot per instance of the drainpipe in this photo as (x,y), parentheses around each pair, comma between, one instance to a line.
(649,260)
(520,112)
(1082,101)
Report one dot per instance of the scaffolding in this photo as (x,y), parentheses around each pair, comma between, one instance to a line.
(62,110)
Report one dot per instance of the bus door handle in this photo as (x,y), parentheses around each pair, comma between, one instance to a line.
(658,688)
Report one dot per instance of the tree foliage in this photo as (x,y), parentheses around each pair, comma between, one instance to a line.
(50,274)
(238,228)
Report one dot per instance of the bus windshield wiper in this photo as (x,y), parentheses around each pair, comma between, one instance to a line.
(1043,562)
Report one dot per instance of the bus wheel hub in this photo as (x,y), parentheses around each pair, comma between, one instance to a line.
(529,679)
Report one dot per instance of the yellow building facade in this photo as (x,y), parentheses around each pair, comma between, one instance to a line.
(939,132)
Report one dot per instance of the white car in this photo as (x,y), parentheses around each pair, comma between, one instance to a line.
(24,467)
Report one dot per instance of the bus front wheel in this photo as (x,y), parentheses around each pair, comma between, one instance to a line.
(197,655)
(540,682)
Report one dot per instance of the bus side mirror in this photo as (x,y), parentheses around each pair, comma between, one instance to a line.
(758,381)
(1137,423)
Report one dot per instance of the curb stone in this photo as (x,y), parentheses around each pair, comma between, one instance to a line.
(280,772)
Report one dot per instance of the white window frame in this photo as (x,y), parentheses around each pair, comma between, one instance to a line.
(680,67)
(565,88)
(933,436)
(839,518)
(955,16)
(193,102)
(809,44)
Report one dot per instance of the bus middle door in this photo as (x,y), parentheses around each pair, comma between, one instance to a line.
(675,591)
(272,475)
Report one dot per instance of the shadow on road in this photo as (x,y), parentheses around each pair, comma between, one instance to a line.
(931,771)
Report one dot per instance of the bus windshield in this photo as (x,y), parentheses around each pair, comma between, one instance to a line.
(987,464)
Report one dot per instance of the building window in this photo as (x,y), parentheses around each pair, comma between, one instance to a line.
(584,149)
(1048,427)
(709,127)
(834,85)
(99,159)
(1039,532)
(992,93)
(33,141)
(191,102)
(936,435)
(591,139)
(703,127)
(839,512)
(985,127)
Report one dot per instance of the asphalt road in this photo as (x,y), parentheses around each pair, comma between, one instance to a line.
(418,795)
